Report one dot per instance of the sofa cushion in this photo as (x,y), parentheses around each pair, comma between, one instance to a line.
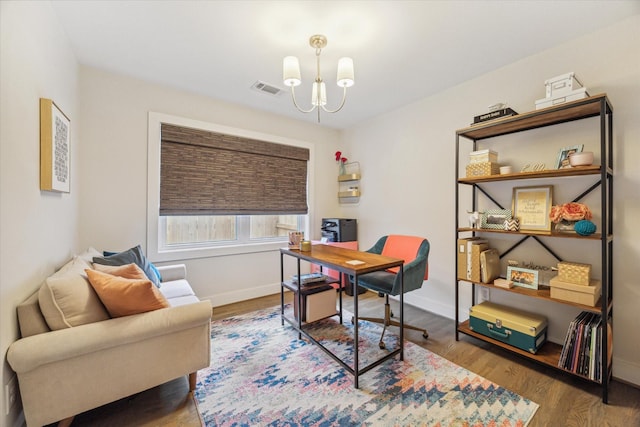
(128,271)
(124,297)
(67,299)
(133,255)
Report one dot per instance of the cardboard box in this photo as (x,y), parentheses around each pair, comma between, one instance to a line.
(561,99)
(587,295)
(483,156)
(318,301)
(561,85)
(482,169)
(573,272)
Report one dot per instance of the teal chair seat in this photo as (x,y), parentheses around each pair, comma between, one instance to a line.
(415,253)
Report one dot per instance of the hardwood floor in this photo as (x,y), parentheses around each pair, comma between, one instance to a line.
(563,400)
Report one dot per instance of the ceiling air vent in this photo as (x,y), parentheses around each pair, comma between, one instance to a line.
(266,88)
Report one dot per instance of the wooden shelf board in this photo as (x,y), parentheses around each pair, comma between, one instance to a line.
(548,354)
(542,293)
(574,110)
(552,173)
(594,236)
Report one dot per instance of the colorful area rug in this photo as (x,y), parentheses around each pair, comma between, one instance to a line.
(261,374)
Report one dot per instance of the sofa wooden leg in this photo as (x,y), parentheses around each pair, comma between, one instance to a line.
(66,422)
(193,378)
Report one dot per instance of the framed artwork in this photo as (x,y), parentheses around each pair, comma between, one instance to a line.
(523,277)
(495,218)
(563,156)
(531,205)
(55,144)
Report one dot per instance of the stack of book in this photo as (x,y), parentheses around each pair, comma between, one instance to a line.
(582,348)
(308,278)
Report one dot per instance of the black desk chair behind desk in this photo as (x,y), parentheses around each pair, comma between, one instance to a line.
(415,253)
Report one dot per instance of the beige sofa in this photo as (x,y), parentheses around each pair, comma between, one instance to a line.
(67,371)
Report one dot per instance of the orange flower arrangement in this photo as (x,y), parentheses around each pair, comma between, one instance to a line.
(570,212)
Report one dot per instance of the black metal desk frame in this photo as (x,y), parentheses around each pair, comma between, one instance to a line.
(344,269)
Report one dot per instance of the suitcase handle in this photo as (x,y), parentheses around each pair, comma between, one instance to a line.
(504,335)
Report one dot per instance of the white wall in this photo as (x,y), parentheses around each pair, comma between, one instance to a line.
(408,174)
(113,203)
(38,229)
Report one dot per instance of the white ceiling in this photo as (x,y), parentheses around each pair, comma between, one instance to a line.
(402,50)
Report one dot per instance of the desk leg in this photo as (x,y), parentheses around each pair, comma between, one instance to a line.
(299,302)
(401,272)
(281,289)
(356,372)
(341,284)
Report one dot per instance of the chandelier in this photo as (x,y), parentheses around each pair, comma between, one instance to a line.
(291,77)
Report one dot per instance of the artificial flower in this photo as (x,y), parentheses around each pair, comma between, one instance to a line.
(570,212)
(339,157)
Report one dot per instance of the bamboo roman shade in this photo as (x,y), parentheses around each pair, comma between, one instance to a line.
(209,173)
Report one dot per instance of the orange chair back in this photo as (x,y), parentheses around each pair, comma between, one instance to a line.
(403,247)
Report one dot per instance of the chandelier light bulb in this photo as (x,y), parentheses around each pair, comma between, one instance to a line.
(345,72)
(291,71)
(291,78)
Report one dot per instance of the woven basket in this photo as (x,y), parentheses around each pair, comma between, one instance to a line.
(482,169)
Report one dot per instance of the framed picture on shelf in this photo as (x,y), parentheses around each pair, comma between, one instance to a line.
(494,218)
(531,205)
(523,277)
(55,160)
(562,161)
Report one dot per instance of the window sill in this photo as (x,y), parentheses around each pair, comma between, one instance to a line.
(210,252)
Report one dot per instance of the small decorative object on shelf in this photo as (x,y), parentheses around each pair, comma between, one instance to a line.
(581,159)
(585,227)
(341,163)
(495,218)
(512,224)
(566,216)
(562,161)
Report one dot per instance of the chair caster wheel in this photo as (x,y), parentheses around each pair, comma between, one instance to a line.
(381,345)
(425,335)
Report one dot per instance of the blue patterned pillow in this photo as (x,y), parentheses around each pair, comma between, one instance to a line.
(133,255)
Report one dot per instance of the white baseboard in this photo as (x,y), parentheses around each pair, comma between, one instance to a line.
(243,294)
(427,304)
(627,372)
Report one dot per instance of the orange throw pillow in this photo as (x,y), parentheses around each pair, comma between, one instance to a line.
(124,297)
(128,271)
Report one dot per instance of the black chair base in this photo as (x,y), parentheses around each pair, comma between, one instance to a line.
(389,321)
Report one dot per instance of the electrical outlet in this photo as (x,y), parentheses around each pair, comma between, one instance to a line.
(10,394)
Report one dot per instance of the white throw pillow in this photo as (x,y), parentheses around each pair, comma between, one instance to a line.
(67,298)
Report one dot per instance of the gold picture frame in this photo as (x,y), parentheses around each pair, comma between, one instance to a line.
(532,206)
(55,148)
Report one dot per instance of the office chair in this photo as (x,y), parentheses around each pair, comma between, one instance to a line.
(415,252)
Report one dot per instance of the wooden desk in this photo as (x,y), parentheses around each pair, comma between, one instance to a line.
(336,258)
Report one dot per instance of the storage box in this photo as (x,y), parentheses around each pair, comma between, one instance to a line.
(561,99)
(483,156)
(526,331)
(575,273)
(561,85)
(587,295)
(482,169)
(318,301)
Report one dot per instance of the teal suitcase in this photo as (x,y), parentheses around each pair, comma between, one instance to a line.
(526,331)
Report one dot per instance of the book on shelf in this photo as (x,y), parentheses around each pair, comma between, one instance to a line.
(582,349)
(503,112)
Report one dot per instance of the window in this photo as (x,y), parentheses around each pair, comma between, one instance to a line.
(179,230)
